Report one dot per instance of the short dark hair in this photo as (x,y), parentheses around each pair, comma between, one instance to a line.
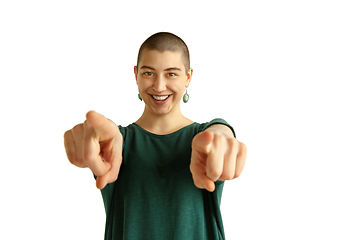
(165,41)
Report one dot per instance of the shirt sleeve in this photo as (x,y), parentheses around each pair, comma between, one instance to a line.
(217,121)
(123,133)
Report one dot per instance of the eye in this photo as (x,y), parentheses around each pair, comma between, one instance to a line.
(172,74)
(148,74)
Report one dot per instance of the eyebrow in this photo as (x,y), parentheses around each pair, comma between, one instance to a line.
(166,70)
(172,69)
(147,67)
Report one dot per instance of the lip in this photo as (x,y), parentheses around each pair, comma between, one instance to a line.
(159,102)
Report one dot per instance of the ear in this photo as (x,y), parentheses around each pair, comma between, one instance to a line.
(189,77)
(135,72)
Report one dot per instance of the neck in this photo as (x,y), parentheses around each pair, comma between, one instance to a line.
(163,123)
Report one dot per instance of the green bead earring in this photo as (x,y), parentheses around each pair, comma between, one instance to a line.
(139,97)
(186,97)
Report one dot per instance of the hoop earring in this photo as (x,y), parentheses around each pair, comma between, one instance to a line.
(139,97)
(186,97)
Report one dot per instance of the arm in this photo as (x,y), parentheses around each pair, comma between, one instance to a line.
(221,129)
(216,155)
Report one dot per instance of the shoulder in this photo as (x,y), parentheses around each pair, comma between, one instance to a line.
(125,130)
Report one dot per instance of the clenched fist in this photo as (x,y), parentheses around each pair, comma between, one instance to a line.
(96,144)
(216,155)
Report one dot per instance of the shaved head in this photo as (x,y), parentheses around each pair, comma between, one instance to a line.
(164,41)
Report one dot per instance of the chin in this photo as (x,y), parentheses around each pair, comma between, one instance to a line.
(161,112)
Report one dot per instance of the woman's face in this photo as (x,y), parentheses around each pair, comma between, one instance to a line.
(161,79)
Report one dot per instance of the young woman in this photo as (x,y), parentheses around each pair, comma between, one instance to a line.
(162,176)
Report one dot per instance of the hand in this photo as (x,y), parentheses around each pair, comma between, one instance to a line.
(216,157)
(96,144)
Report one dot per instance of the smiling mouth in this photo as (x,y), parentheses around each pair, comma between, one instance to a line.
(160,98)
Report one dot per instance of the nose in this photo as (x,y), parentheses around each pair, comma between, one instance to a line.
(159,84)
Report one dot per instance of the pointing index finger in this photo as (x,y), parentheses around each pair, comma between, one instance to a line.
(201,142)
(103,127)
(215,159)
(97,130)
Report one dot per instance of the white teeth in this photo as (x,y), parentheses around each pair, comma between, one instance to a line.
(160,98)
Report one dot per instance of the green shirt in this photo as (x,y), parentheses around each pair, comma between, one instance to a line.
(154,196)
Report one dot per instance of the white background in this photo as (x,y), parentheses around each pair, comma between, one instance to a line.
(285,74)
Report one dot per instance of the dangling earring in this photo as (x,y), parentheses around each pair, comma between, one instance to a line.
(139,97)
(186,97)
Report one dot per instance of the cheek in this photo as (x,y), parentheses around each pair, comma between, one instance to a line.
(177,86)
(143,85)
(177,89)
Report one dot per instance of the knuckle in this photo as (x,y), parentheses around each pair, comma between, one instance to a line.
(243,147)
(111,178)
(233,145)
(80,159)
(67,135)
(238,170)
(191,167)
(114,178)
(78,129)
(88,158)
(72,159)
(76,162)
(114,174)
(198,183)
(227,176)
(196,178)
(214,173)
(232,141)
(237,174)
(219,139)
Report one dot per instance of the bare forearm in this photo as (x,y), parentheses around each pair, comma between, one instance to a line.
(221,129)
